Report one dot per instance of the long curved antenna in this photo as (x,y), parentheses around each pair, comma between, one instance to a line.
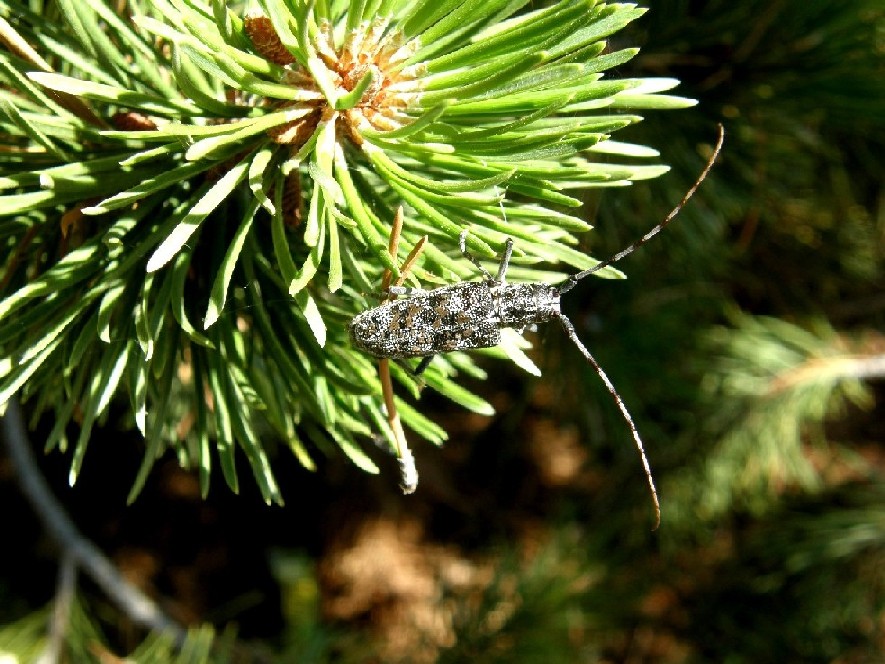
(569,283)
(570,331)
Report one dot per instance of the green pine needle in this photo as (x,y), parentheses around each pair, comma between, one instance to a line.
(194,203)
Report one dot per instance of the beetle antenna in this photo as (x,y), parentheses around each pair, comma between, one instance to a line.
(570,331)
(569,283)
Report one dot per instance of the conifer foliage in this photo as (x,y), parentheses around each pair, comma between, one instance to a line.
(196,199)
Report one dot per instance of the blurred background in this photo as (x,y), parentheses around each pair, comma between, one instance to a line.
(747,342)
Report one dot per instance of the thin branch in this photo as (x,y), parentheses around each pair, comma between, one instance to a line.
(61,611)
(830,369)
(408,472)
(130,600)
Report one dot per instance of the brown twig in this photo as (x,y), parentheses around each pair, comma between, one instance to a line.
(19,46)
(403,453)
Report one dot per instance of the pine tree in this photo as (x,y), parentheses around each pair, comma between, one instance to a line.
(747,340)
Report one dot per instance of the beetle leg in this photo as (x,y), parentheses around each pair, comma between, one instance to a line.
(505,260)
(423,364)
(462,242)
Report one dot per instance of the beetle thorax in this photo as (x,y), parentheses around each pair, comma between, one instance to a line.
(523,304)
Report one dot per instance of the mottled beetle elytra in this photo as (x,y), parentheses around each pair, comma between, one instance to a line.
(471,314)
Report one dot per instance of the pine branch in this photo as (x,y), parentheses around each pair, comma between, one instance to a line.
(774,385)
(196,231)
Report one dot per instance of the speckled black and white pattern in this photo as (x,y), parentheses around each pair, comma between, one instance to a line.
(457,317)
(472,315)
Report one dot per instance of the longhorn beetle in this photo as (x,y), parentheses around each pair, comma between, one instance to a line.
(471,314)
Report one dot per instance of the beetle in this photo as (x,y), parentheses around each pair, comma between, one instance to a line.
(471,314)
